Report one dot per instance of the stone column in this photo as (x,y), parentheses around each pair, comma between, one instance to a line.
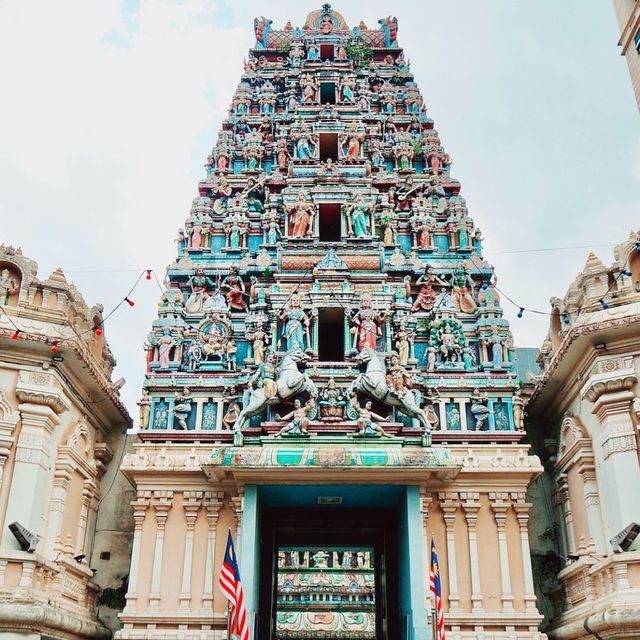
(87,497)
(426,501)
(500,505)
(449,503)
(162,503)
(237,504)
(565,507)
(592,501)
(191,504)
(61,479)
(471,506)
(140,506)
(213,501)
(522,507)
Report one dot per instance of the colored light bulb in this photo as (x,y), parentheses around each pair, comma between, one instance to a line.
(148,276)
(54,347)
(15,334)
(521,312)
(130,302)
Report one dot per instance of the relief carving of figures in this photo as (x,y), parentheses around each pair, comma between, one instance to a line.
(366,323)
(222,160)
(253,157)
(398,378)
(309,88)
(518,410)
(402,344)
(194,355)
(235,294)
(495,344)
(259,339)
(182,407)
(403,153)
(427,296)
(358,218)
(301,216)
(347,90)
(295,332)
(271,227)
(282,155)
(306,143)
(367,418)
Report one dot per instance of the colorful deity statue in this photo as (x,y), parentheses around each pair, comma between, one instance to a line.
(427,295)
(331,403)
(299,419)
(200,284)
(402,344)
(518,410)
(305,143)
(403,153)
(282,155)
(309,88)
(463,288)
(259,340)
(398,378)
(301,217)
(479,409)
(366,324)
(182,407)
(352,141)
(295,332)
(347,90)
(367,418)
(235,294)
(358,218)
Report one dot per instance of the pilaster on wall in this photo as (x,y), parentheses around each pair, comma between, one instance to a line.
(213,501)
(140,506)
(237,504)
(8,421)
(522,508)
(471,505)
(191,504)
(162,503)
(500,505)
(449,503)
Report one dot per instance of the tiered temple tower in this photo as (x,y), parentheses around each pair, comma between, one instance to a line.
(330,371)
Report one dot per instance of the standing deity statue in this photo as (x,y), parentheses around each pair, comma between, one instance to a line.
(235,290)
(259,340)
(450,350)
(182,407)
(518,410)
(495,343)
(282,155)
(265,376)
(352,141)
(145,409)
(398,379)
(165,343)
(301,216)
(231,415)
(463,287)
(305,143)
(403,344)
(367,418)
(357,218)
(194,356)
(296,325)
(479,409)
(366,324)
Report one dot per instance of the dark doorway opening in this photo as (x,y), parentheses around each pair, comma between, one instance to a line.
(327,93)
(299,547)
(329,222)
(327,51)
(331,334)
(328,146)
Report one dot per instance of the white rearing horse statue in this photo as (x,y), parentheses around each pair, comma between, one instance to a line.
(290,382)
(373,382)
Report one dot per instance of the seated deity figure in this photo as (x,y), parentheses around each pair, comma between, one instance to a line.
(357,218)
(366,324)
(296,325)
(331,403)
(301,216)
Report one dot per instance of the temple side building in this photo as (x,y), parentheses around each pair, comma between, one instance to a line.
(62,433)
(330,375)
(628,16)
(584,417)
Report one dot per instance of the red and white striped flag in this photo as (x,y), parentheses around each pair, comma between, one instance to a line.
(436,588)
(230,585)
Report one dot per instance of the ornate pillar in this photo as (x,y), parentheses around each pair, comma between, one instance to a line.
(191,504)
(87,497)
(471,506)
(500,505)
(565,507)
(449,503)
(61,479)
(609,387)
(522,507)
(162,503)
(213,501)
(8,421)
(426,501)
(140,506)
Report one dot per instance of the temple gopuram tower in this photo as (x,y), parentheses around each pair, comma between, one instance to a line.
(330,374)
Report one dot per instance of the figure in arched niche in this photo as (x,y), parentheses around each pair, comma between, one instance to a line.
(165,343)
(358,217)
(282,155)
(8,285)
(367,324)
(305,140)
(479,408)
(301,216)
(235,290)
(295,332)
(347,90)
(309,89)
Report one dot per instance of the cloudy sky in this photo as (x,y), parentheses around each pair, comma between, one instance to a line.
(109,109)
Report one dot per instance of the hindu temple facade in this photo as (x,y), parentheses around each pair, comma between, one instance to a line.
(63,561)
(584,417)
(330,374)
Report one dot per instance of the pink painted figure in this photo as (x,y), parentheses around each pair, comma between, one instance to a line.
(165,343)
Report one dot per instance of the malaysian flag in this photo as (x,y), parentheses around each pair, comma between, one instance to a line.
(436,589)
(230,585)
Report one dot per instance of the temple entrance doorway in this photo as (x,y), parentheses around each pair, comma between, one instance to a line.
(331,334)
(329,573)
